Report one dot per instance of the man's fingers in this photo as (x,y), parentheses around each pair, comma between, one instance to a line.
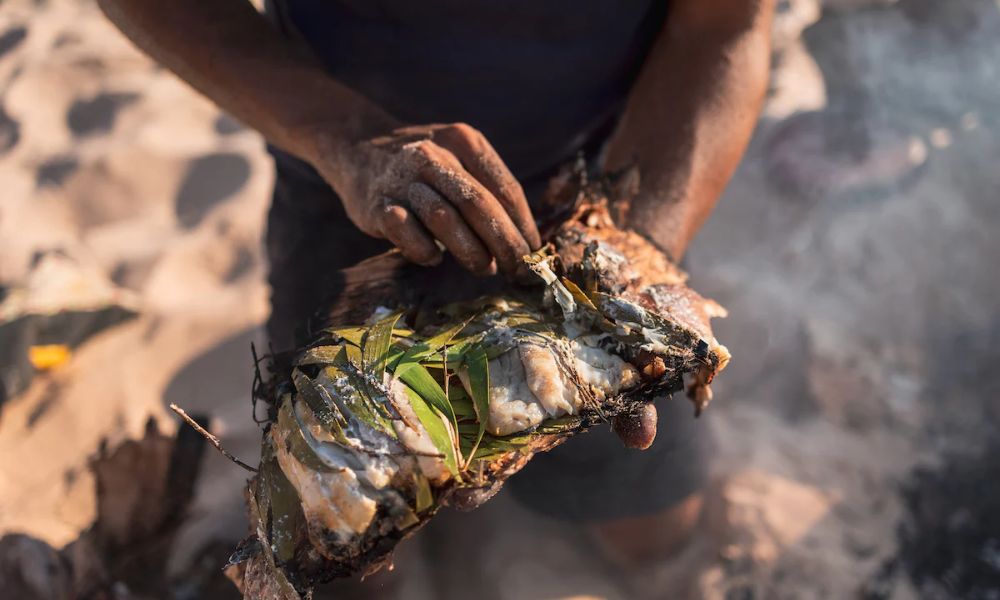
(447,225)
(481,160)
(402,228)
(479,208)
(637,430)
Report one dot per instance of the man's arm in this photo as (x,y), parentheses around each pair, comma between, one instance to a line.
(686,125)
(227,51)
(690,114)
(410,185)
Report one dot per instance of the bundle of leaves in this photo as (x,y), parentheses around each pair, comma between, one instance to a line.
(411,397)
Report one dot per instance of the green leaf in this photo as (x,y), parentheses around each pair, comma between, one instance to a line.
(491,447)
(455,352)
(352,355)
(259,510)
(286,510)
(559,425)
(418,353)
(456,393)
(354,335)
(376,344)
(396,352)
(320,355)
(461,403)
(495,350)
(349,334)
(521,319)
(458,352)
(318,399)
(544,329)
(298,446)
(442,338)
(417,377)
(259,500)
(437,428)
(357,395)
(425,497)
(365,397)
(478,371)
(468,429)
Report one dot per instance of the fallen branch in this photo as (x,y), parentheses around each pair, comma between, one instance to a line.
(208,436)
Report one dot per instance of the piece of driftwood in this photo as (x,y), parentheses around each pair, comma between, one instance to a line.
(143,490)
(426,388)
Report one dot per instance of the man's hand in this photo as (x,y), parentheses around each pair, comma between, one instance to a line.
(446,183)
(411,186)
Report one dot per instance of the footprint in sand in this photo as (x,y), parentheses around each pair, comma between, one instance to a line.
(97,115)
(208,181)
(226,125)
(12,38)
(10,131)
(55,171)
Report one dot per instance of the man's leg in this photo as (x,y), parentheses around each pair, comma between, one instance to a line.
(309,239)
(642,505)
(646,538)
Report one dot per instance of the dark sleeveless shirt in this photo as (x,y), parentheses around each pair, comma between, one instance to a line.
(539,78)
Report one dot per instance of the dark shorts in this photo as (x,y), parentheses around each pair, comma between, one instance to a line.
(590,478)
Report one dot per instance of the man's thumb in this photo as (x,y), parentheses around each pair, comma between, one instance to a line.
(637,430)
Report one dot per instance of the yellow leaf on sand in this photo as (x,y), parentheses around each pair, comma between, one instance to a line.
(48,356)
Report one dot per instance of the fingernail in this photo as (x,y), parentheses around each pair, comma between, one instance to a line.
(489,270)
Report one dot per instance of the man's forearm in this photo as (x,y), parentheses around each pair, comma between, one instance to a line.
(691,113)
(229,52)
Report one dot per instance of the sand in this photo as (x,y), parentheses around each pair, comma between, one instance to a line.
(125,168)
(862,328)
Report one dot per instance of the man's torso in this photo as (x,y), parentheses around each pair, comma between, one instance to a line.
(539,78)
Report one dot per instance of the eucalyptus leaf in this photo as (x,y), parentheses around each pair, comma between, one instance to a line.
(445,336)
(560,425)
(259,501)
(478,373)
(491,446)
(354,335)
(464,410)
(468,428)
(437,428)
(297,444)
(318,400)
(425,497)
(352,355)
(418,378)
(286,511)
(349,334)
(319,355)
(429,349)
(361,395)
(376,344)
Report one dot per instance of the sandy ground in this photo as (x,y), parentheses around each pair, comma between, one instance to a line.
(864,327)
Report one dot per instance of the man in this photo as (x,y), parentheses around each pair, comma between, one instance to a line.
(413,124)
